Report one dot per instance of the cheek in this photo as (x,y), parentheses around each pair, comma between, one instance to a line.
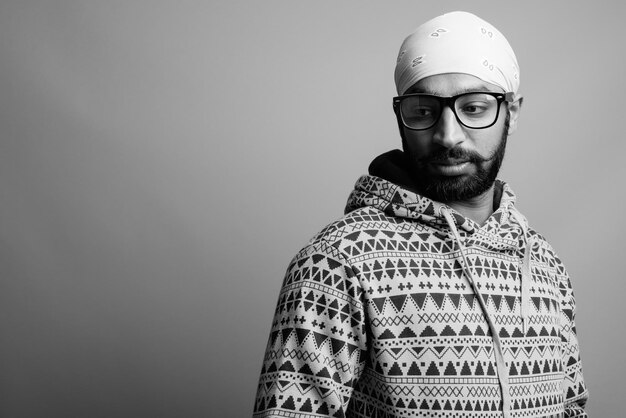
(490,144)
(416,144)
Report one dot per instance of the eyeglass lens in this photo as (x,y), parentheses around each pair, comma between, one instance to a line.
(475,110)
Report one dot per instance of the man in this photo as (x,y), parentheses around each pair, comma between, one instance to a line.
(431,297)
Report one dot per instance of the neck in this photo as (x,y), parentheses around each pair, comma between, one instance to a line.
(478,208)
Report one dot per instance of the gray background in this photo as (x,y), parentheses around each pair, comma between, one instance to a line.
(161,162)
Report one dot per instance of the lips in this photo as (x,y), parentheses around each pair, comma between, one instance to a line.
(449,167)
(448,162)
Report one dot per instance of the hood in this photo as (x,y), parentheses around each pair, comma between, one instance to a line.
(388,188)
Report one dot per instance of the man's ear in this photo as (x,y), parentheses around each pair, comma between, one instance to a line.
(514,111)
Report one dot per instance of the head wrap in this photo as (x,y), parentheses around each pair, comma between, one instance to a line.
(457,42)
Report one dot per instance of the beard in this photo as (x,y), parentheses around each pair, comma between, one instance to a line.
(456,188)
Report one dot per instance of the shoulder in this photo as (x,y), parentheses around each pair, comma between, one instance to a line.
(351,224)
(546,253)
(336,240)
(325,264)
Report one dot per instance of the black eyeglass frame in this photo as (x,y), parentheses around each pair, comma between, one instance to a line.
(449,101)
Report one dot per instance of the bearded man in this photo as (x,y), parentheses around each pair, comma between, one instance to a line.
(431,297)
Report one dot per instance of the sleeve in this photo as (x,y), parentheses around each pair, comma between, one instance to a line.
(317,341)
(576,393)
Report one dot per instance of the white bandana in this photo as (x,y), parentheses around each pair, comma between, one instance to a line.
(457,42)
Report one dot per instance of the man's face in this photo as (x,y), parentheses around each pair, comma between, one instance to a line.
(450,162)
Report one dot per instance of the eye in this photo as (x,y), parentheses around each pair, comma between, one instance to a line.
(421,111)
(476,105)
(418,111)
(475,108)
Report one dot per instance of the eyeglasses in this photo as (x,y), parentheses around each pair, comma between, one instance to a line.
(476,110)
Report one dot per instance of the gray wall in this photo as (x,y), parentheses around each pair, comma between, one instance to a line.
(161,162)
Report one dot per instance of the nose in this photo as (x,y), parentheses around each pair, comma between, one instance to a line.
(448,132)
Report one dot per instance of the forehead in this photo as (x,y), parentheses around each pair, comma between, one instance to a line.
(452,84)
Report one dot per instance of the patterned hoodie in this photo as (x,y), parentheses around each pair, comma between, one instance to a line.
(405,308)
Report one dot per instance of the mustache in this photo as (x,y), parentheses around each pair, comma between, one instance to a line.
(457,153)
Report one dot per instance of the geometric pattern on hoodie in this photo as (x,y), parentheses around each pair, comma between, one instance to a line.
(376,317)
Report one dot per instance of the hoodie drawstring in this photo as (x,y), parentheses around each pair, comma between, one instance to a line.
(526,273)
(503,373)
